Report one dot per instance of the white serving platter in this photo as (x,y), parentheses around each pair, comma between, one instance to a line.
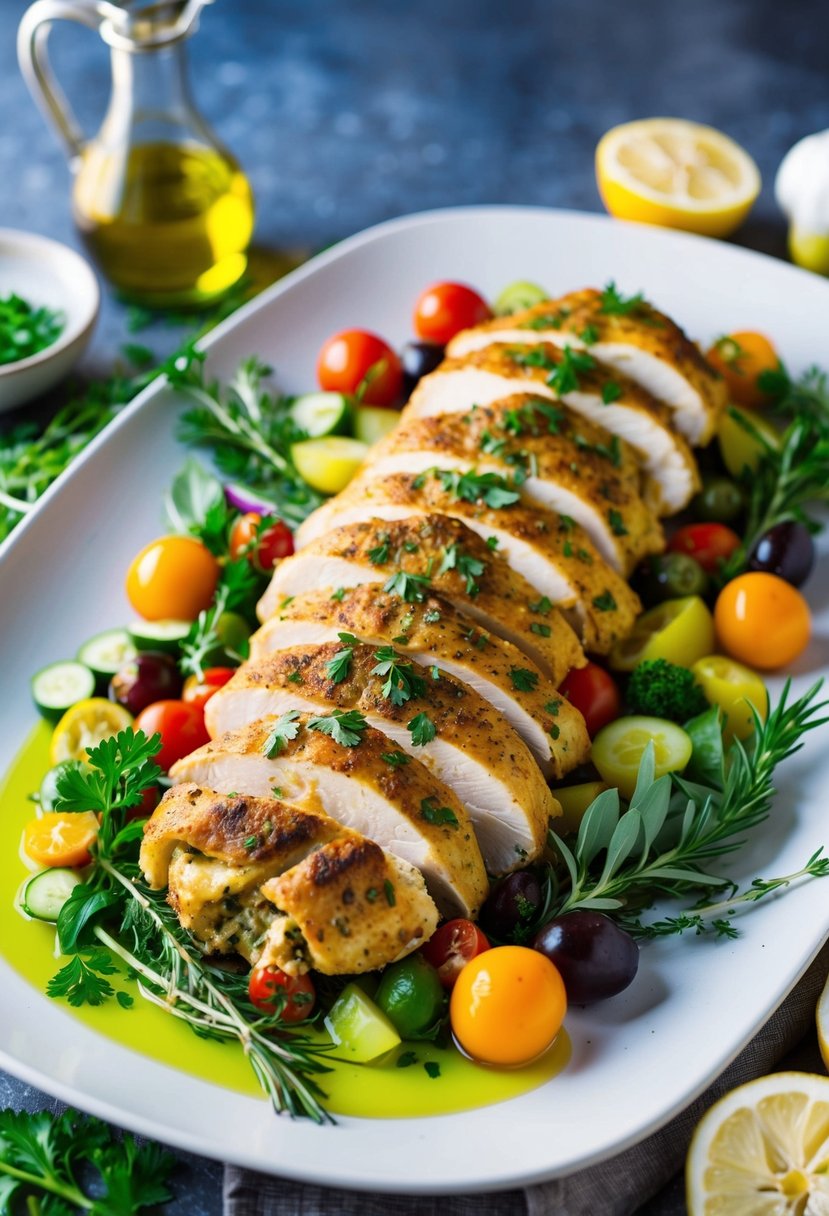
(636,1060)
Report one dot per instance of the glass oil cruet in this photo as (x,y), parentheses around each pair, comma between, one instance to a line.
(164,209)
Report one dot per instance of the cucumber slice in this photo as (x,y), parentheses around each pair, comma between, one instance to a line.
(44,894)
(328,464)
(106,653)
(47,795)
(319,414)
(61,685)
(359,1028)
(165,636)
(371,423)
(517,296)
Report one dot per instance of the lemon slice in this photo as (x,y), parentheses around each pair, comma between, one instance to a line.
(676,173)
(763,1150)
(328,464)
(86,725)
(823,1024)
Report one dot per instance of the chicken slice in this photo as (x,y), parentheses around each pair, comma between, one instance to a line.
(556,458)
(460,567)
(430,631)
(474,751)
(550,551)
(278,884)
(642,344)
(405,810)
(603,397)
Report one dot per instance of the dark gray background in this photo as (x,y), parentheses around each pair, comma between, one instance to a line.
(347,113)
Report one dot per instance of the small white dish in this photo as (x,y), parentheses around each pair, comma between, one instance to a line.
(45,273)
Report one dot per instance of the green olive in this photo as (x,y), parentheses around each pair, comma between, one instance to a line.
(671,576)
(411,996)
(719,501)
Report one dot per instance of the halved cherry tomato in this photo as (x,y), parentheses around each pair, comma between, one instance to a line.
(741,359)
(444,309)
(172,577)
(707,544)
(451,947)
(594,694)
(267,983)
(356,361)
(180,725)
(507,1005)
(198,691)
(762,621)
(264,545)
(60,838)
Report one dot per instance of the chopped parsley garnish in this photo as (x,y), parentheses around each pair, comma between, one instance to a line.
(492,543)
(492,446)
(614,304)
(611,391)
(379,555)
(543,606)
(344,726)
(283,730)
(604,602)
(468,567)
(338,595)
(295,677)
(422,729)
(406,1059)
(438,815)
(410,587)
(338,667)
(388,888)
(489,488)
(401,680)
(552,707)
(395,759)
(555,731)
(611,451)
(252,842)
(431,616)
(523,680)
(26,330)
(617,524)
(542,630)
(432,1069)
(526,417)
(589,335)
(564,378)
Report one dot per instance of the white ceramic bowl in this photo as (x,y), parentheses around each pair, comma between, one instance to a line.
(46,273)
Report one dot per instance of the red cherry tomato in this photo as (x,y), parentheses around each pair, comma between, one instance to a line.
(180,725)
(198,691)
(263,546)
(708,544)
(444,309)
(356,361)
(451,947)
(594,694)
(149,801)
(265,985)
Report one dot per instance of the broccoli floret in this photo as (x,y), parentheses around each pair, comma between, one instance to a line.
(664,690)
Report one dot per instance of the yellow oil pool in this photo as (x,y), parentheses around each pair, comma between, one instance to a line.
(369,1091)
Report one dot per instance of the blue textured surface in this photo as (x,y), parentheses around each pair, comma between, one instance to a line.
(345,114)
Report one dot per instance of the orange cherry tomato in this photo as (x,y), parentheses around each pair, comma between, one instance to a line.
(267,983)
(198,691)
(507,1005)
(452,946)
(594,694)
(263,546)
(708,544)
(741,359)
(180,725)
(444,309)
(357,361)
(761,620)
(172,577)
(59,838)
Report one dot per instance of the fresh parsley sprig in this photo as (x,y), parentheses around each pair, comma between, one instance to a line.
(489,488)
(345,726)
(401,680)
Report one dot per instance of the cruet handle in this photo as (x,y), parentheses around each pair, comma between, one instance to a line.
(32,55)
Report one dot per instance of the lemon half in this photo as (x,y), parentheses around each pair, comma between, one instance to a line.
(678,174)
(763,1150)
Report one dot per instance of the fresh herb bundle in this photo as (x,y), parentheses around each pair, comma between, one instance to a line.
(26,330)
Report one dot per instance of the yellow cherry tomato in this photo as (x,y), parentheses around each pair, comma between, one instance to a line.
(174,576)
(680,631)
(85,725)
(735,689)
(762,620)
(741,359)
(739,447)
(60,839)
(507,1005)
(619,747)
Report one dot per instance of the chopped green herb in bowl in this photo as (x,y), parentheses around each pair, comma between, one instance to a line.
(26,329)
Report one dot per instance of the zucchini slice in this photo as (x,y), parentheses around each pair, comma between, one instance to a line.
(59,686)
(106,653)
(165,636)
(44,894)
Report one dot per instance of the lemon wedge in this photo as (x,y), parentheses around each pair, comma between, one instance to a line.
(328,464)
(763,1150)
(823,1024)
(676,173)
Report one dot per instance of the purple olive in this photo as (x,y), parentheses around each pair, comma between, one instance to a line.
(595,957)
(145,679)
(786,550)
(511,903)
(418,359)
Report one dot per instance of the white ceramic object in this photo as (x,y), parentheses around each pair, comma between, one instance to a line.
(636,1060)
(46,274)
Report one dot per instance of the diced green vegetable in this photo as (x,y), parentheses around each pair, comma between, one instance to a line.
(361,1031)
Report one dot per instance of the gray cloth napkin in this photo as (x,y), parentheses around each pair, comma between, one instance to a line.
(615,1188)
